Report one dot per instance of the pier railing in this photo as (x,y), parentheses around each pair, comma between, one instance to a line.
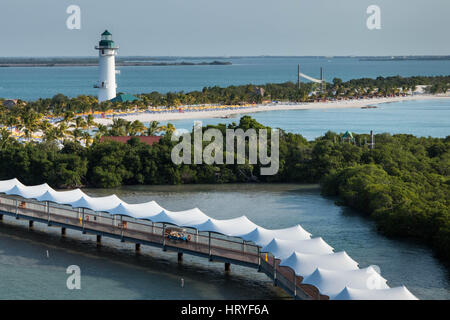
(213,246)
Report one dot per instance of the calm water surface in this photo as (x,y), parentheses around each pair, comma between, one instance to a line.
(115,272)
(33,83)
(421,118)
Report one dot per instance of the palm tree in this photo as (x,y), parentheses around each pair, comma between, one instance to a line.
(153,128)
(90,121)
(137,127)
(169,128)
(30,120)
(79,123)
(86,137)
(11,122)
(63,130)
(5,137)
(50,134)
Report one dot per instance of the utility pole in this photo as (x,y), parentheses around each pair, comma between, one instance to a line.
(372,140)
(322,83)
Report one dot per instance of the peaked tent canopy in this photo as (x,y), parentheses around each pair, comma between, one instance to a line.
(282,249)
(6,185)
(262,236)
(332,282)
(305,264)
(146,210)
(397,293)
(31,192)
(61,197)
(186,218)
(229,227)
(96,204)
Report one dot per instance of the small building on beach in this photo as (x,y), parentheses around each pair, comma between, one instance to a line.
(125,98)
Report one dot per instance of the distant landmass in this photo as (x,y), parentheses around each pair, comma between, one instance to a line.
(91,61)
(401,58)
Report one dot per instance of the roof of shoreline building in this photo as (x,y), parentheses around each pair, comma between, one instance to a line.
(150,140)
(124,98)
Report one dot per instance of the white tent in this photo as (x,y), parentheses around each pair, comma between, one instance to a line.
(61,197)
(262,236)
(334,274)
(305,264)
(6,185)
(397,293)
(228,227)
(186,218)
(332,282)
(97,203)
(31,192)
(145,210)
(282,249)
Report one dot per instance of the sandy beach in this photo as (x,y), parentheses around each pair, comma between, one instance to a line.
(147,117)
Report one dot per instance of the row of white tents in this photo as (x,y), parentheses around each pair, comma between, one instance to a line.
(334,273)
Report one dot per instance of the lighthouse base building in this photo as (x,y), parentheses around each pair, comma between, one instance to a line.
(107,68)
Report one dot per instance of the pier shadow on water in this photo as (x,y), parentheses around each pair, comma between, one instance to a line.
(113,270)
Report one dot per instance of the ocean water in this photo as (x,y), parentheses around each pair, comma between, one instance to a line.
(421,118)
(115,272)
(44,82)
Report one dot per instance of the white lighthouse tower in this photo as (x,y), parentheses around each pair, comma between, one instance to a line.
(107,67)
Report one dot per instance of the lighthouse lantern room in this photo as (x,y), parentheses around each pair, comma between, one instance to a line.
(107,67)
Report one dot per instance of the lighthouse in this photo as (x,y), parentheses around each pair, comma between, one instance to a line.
(107,51)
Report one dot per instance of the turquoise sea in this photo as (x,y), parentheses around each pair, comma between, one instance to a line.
(421,118)
(34,83)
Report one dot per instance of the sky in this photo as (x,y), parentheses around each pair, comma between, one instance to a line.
(226,28)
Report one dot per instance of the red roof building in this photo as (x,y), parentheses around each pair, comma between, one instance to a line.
(124,139)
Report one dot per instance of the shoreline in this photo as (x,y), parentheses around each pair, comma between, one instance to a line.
(148,117)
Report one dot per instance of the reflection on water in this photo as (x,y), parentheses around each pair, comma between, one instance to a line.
(114,271)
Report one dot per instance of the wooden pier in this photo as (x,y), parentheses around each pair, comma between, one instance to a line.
(214,247)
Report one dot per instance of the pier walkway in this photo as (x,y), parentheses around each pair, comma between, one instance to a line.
(209,245)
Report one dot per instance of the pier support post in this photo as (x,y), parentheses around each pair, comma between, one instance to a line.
(164,236)
(209,246)
(295,286)
(63,231)
(121,229)
(47,207)
(138,247)
(275,272)
(17,209)
(99,239)
(227,267)
(180,256)
(259,260)
(30,224)
(84,231)
(1,217)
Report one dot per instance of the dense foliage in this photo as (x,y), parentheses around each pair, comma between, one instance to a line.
(403,183)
